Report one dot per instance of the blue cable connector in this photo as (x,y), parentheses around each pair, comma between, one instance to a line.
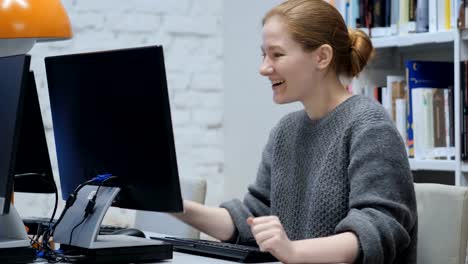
(101,177)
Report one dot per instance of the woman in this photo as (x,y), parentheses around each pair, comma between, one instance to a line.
(334,184)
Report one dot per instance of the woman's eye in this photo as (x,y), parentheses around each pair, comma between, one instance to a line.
(277,55)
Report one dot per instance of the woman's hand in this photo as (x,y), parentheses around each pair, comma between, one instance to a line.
(270,236)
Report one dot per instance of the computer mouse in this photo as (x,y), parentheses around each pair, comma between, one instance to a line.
(129,232)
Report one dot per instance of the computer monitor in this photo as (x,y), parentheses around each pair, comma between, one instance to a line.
(14,243)
(111,115)
(14,70)
(32,170)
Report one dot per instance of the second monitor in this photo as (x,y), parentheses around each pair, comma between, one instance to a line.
(111,115)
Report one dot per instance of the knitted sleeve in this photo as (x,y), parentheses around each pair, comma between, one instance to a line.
(256,201)
(382,199)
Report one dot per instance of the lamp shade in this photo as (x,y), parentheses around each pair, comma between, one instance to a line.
(25,22)
(37,19)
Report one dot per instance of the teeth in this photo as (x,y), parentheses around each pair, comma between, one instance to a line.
(278,82)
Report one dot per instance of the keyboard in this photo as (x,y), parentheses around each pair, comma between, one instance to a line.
(221,250)
(38,224)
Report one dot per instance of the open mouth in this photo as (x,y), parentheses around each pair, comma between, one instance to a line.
(277,83)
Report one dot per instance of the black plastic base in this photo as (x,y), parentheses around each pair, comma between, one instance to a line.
(17,255)
(139,254)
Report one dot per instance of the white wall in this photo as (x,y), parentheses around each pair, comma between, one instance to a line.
(191,34)
(249,109)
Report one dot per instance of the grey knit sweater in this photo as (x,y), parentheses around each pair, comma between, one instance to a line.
(347,171)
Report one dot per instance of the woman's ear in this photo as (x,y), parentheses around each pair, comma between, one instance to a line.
(324,56)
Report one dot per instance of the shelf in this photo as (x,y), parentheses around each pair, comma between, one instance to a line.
(435,165)
(414,39)
(464,166)
(464,34)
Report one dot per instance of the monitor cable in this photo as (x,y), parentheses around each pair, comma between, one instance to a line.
(35,238)
(72,197)
(48,252)
(89,209)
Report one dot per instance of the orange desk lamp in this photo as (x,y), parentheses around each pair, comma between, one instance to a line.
(25,22)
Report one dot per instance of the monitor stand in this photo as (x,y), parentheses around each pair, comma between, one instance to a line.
(86,240)
(14,242)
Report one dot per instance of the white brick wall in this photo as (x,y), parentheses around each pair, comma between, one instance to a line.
(191,34)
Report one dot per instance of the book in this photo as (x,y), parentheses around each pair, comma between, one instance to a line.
(395,90)
(438,114)
(423,75)
(403,25)
(464,104)
(394,16)
(423,122)
(422,16)
(432,5)
(400,117)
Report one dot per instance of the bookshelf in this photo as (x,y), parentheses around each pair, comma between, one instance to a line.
(392,51)
(411,40)
(464,35)
(433,165)
(464,167)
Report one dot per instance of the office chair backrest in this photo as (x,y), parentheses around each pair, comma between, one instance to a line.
(193,189)
(442,223)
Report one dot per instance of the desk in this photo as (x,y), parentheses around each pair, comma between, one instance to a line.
(182,258)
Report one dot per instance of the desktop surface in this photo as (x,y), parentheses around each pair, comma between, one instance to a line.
(179,258)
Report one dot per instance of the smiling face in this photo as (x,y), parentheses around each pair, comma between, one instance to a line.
(291,70)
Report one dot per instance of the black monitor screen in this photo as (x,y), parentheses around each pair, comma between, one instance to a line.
(111,114)
(33,170)
(14,72)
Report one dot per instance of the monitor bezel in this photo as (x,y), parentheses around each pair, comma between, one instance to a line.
(19,98)
(158,51)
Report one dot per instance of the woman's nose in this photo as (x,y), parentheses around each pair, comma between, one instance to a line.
(265,69)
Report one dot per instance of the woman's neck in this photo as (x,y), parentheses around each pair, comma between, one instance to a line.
(325,98)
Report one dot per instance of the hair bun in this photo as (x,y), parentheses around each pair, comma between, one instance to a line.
(361,50)
(352,36)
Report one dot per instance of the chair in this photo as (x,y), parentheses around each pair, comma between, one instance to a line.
(193,189)
(442,223)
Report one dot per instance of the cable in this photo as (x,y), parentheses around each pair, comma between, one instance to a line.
(49,253)
(89,209)
(44,178)
(70,201)
(56,201)
(49,232)
(47,180)
(73,229)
